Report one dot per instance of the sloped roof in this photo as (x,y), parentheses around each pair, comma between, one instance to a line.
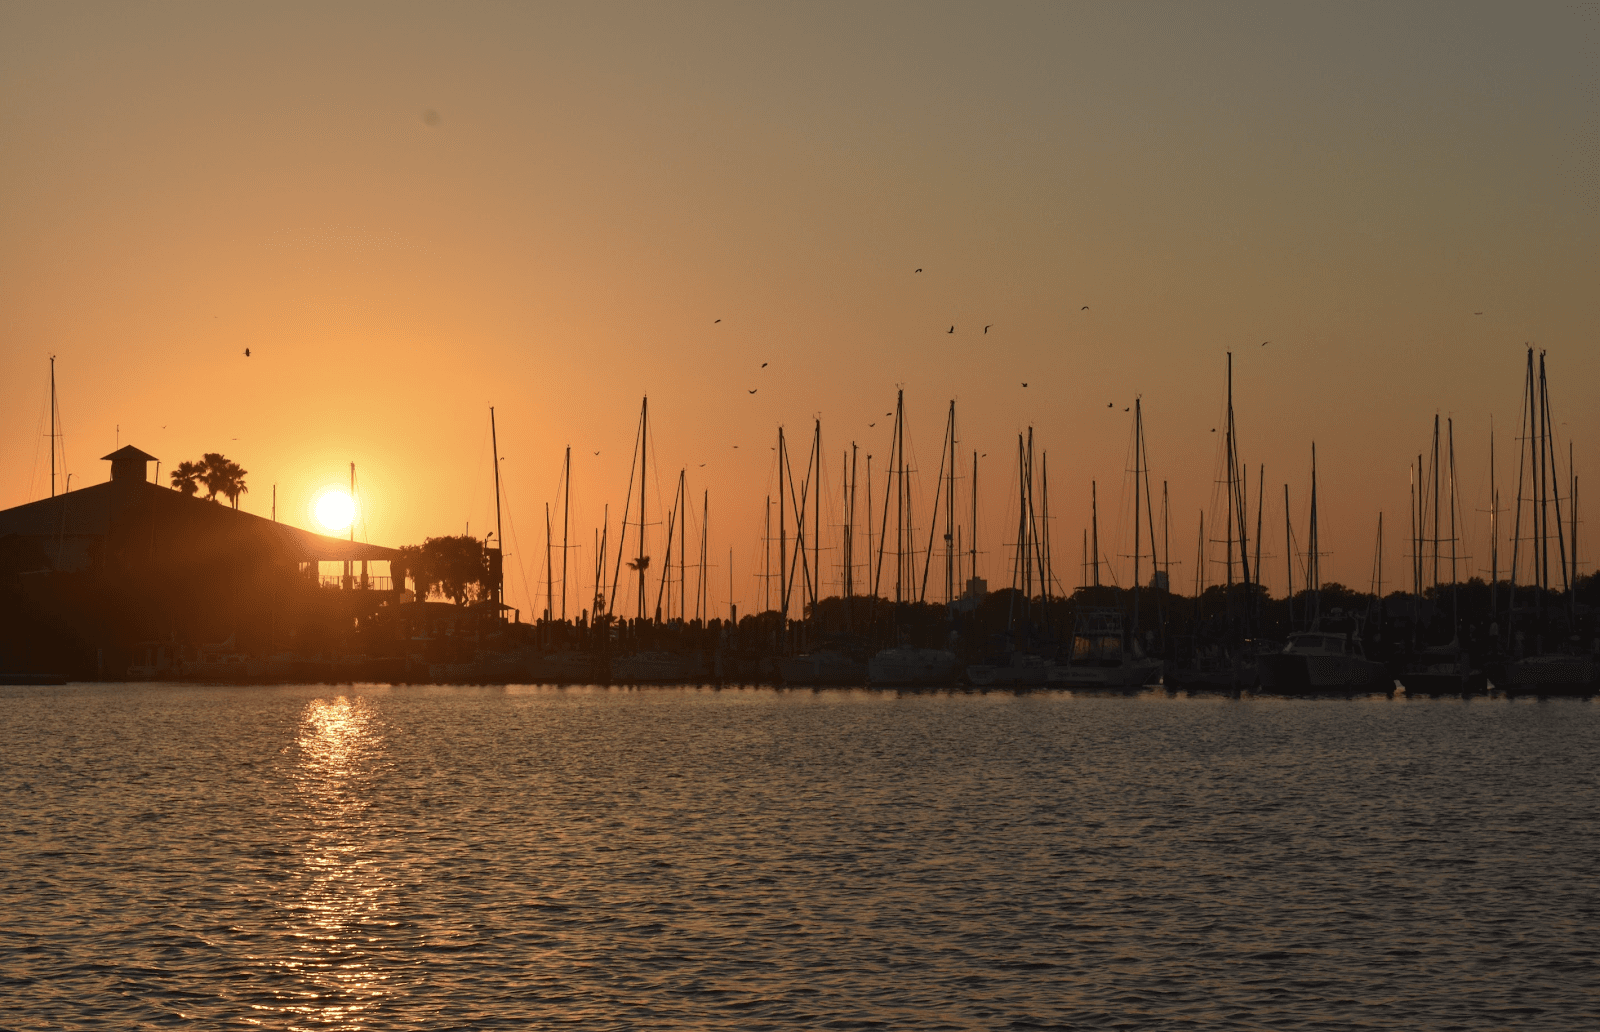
(94,511)
(128,451)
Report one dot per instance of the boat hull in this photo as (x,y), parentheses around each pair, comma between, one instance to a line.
(1288,673)
(1551,675)
(822,668)
(911,668)
(1128,675)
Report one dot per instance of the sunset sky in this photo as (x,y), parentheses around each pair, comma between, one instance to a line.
(409,213)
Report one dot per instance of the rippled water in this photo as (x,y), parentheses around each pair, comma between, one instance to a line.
(373,857)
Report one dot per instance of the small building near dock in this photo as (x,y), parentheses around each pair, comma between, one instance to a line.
(88,574)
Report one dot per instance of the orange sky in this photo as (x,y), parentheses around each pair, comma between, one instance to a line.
(601,183)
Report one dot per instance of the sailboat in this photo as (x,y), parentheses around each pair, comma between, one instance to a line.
(1329,658)
(1554,654)
(826,664)
(1446,668)
(905,666)
(1106,652)
(1017,660)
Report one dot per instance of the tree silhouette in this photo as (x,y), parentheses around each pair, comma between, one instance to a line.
(222,476)
(455,567)
(186,477)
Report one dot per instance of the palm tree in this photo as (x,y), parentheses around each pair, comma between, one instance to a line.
(214,473)
(187,476)
(234,485)
(222,477)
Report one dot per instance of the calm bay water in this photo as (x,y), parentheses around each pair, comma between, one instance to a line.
(373,857)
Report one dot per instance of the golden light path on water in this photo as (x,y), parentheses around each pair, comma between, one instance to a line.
(340,887)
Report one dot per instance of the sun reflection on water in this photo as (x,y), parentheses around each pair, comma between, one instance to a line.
(341,891)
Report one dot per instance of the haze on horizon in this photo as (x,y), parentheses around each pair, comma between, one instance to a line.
(409,213)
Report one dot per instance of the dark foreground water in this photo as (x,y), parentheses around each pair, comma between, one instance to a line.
(373,857)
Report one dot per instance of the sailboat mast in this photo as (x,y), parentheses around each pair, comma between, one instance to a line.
(849,489)
(1434,461)
(1227,448)
(1494,529)
(1288,556)
(566,514)
(52,426)
(783,538)
(683,553)
(1555,474)
(499,539)
(1315,578)
(1094,530)
(899,495)
(1455,606)
(950,516)
(816,517)
(644,473)
(973,541)
(1138,427)
(549,570)
(1019,564)
(874,578)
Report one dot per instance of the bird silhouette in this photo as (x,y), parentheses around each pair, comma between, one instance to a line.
(597,453)
(754,389)
(919,270)
(951,330)
(1127,410)
(1085,308)
(888,413)
(1024,383)
(703,465)
(736,446)
(986,328)
(1213,429)
(763,365)
(1108,404)
(869,424)
(1477,313)
(716,321)
(246,352)
(1265,343)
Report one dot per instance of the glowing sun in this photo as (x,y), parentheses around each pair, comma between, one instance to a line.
(335,510)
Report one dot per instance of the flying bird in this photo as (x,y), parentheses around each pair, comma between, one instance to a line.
(869,424)
(703,465)
(919,270)
(716,321)
(1477,313)
(1213,429)
(1127,410)
(951,330)
(1108,404)
(246,352)
(1085,308)
(1024,383)
(597,453)
(986,328)
(763,365)
(754,389)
